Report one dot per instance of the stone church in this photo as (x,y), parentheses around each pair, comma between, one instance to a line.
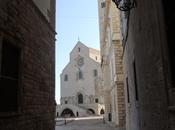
(80,88)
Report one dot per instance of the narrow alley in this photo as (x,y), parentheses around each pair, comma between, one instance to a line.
(87,65)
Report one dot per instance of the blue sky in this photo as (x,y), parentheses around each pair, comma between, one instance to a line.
(74,19)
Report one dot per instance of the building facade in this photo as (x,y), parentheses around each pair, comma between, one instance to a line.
(27,58)
(148,43)
(79,82)
(112,68)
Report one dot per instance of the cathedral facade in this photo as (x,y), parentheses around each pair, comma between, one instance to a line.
(80,84)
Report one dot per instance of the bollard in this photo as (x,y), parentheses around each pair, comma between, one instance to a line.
(103,119)
(65,121)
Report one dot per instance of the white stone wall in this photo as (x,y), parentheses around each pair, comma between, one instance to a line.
(95,55)
(111,66)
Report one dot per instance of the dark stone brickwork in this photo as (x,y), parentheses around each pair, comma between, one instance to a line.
(21,22)
(146,38)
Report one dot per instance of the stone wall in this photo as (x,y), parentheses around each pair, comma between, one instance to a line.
(119,82)
(147,108)
(21,22)
(112,68)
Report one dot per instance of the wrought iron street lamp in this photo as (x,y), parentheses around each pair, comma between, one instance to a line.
(125,5)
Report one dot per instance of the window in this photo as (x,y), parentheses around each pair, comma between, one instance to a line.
(96,100)
(79,75)
(127,87)
(103,4)
(9,76)
(102,60)
(135,81)
(80,62)
(78,49)
(95,73)
(96,58)
(66,77)
(170,26)
(65,102)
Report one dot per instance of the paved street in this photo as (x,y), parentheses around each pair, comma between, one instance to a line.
(88,123)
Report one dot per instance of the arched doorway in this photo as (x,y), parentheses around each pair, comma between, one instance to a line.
(80,98)
(102,111)
(91,111)
(67,113)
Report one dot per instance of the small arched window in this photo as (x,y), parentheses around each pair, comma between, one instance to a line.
(96,100)
(65,77)
(95,73)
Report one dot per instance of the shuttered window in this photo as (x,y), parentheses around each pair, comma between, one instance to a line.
(9,77)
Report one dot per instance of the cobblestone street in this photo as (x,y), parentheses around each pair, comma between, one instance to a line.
(91,123)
